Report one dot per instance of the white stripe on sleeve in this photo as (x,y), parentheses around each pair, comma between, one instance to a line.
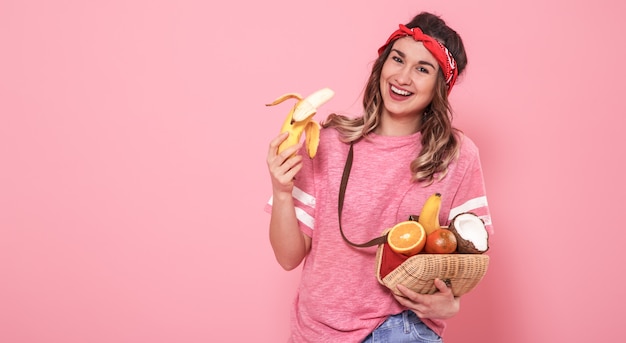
(301,215)
(305,198)
(305,218)
(468,206)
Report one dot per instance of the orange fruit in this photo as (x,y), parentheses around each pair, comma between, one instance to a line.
(407,237)
(440,241)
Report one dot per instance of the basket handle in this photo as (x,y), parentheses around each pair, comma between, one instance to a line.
(342,191)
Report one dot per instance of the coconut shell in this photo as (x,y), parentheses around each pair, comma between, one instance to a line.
(465,246)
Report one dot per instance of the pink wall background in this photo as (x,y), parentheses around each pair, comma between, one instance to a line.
(133,137)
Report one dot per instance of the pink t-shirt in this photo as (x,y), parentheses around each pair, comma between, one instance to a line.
(339,298)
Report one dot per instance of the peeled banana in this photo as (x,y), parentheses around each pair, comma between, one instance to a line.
(429,215)
(300,119)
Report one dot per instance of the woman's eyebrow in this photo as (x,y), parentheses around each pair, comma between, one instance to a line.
(428,64)
(399,53)
(403,55)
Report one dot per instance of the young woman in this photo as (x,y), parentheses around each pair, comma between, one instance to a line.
(404,149)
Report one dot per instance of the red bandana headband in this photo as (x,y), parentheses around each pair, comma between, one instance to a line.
(439,51)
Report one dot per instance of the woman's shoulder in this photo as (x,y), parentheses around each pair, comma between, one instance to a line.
(330,143)
(327,132)
(467,147)
(328,136)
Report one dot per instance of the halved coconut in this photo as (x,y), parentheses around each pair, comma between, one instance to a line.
(471,234)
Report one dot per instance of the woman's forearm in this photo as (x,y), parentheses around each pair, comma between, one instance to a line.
(290,245)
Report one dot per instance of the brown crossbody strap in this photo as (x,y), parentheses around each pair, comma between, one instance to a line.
(342,191)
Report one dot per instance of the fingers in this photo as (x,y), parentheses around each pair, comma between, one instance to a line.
(273,150)
(419,309)
(442,286)
(287,158)
(289,169)
(285,166)
(441,304)
(402,299)
(276,142)
(414,296)
(410,296)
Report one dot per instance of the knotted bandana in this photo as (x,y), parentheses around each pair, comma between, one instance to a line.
(439,51)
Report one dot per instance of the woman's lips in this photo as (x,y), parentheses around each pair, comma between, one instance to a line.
(398,94)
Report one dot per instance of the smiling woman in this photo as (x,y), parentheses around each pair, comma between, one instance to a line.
(405,149)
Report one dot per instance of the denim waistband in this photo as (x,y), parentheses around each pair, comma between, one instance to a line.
(405,319)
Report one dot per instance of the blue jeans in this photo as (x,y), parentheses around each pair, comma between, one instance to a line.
(405,327)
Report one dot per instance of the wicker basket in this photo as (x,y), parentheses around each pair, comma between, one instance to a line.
(462,272)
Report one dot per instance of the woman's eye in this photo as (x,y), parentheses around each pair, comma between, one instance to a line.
(422,70)
(397,59)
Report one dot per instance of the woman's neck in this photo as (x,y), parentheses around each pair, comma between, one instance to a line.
(398,126)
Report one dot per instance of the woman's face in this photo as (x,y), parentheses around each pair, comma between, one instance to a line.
(408,78)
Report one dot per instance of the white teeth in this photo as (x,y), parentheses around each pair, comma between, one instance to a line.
(400,91)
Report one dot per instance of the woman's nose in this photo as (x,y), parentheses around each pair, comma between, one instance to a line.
(403,76)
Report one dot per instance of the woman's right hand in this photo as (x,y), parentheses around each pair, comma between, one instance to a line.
(283,167)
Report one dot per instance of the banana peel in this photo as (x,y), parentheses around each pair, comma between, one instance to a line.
(300,121)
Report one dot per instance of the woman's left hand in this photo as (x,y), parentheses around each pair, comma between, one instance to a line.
(440,305)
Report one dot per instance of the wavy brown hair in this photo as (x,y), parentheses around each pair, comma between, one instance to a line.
(440,141)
